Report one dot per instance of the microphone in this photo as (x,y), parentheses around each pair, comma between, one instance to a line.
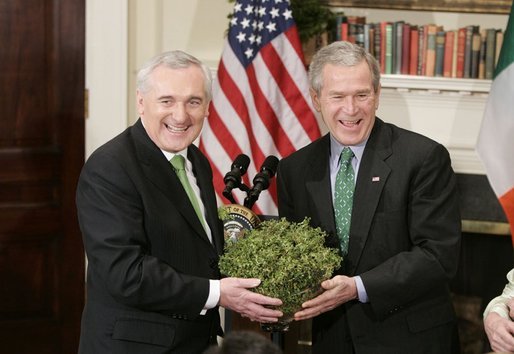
(261,180)
(233,178)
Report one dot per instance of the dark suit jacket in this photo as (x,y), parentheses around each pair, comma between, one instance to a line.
(149,258)
(404,241)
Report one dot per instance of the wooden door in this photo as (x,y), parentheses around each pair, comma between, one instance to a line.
(42,59)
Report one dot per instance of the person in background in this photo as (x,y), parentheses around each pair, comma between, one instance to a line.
(387,198)
(498,318)
(245,342)
(148,216)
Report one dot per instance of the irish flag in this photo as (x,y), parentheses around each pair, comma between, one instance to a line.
(496,139)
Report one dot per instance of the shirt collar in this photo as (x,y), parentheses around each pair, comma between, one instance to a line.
(170,155)
(336,147)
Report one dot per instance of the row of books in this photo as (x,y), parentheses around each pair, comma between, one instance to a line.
(427,50)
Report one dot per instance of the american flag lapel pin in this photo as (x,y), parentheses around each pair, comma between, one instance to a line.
(375,179)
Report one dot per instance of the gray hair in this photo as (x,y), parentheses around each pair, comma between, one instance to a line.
(175,59)
(345,54)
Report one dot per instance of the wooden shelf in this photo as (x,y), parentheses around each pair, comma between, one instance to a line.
(436,84)
(470,6)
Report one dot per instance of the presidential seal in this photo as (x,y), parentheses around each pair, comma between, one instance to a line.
(237,220)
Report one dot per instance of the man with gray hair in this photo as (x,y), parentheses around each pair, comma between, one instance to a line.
(387,198)
(148,216)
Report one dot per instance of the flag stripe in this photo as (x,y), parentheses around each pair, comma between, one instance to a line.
(294,39)
(496,143)
(290,94)
(240,118)
(294,94)
(267,115)
(507,202)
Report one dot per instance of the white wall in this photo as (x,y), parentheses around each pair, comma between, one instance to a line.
(106,70)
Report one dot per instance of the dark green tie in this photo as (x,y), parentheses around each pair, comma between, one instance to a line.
(343,197)
(178,163)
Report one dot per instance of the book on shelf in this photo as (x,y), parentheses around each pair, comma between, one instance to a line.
(406,45)
(383,49)
(475,55)
(454,55)
(448,53)
(397,46)
(461,51)
(413,57)
(389,48)
(490,52)
(440,41)
(340,18)
(481,61)
(344,31)
(430,51)
(499,42)
(377,42)
(366,39)
(421,49)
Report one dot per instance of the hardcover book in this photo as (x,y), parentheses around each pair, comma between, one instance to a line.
(461,51)
(430,54)
(448,53)
(439,53)
(414,45)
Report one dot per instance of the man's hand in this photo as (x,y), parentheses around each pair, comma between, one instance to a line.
(338,290)
(500,331)
(236,297)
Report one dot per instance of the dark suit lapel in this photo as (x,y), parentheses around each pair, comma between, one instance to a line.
(318,187)
(373,174)
(161,174)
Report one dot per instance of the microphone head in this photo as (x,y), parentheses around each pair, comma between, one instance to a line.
(270,165)
(241,162)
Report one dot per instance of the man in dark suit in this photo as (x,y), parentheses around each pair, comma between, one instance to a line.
(153,281)
(391,294)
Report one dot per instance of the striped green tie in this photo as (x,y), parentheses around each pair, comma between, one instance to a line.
(178,164)
(343,197)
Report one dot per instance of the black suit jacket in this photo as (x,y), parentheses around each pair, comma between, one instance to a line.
(404,241)
(149,258)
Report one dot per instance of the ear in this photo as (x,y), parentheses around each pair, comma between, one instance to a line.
(315,100)
(377,96)
(140,103)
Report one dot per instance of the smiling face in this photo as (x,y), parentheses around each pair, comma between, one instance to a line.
(347,102)
(174,107)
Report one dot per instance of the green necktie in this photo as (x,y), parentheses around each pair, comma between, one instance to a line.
(178,163)
(345,184)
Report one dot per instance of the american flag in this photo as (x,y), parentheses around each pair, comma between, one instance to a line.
(261,104)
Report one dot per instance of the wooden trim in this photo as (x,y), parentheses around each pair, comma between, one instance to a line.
(472,6)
